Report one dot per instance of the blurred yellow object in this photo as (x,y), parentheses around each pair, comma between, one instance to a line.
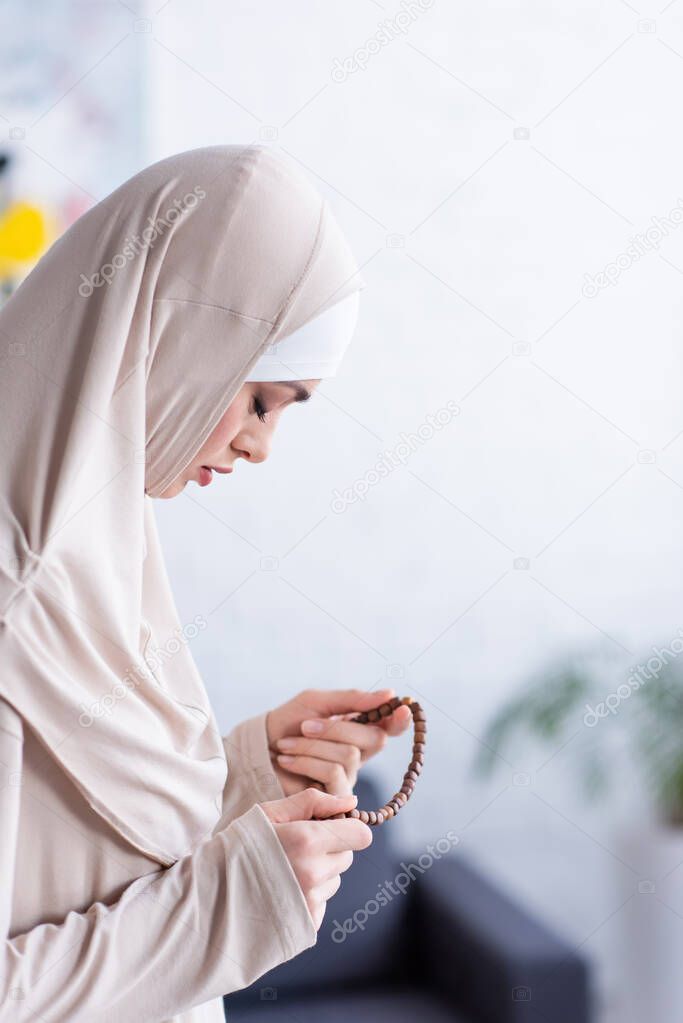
(24,234)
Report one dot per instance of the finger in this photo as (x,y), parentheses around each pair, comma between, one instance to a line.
(336,863)
(337,836)
(327,890)
(367,738)
(343,753)
(398,722)
(393,723)
(331,774)
(306,805)
(342,701)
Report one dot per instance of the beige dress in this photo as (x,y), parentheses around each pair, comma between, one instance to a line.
(97,932)
(140,882)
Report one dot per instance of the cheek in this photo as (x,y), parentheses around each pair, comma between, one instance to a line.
(226,429)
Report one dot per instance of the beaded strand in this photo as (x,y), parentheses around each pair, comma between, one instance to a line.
(400,798)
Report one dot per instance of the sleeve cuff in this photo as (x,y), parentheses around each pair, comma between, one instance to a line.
(251,775)
(285,902)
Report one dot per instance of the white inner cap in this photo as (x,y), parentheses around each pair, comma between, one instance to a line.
(315,350)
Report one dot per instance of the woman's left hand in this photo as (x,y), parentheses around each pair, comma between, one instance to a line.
(324,747)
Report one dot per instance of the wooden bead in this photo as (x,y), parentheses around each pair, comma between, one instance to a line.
(400,798)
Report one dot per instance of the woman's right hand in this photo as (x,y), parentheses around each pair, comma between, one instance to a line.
(318,850)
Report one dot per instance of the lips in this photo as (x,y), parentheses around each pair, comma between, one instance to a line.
(206,473)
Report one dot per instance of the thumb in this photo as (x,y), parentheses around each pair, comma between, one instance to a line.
(306,805)
(324,702)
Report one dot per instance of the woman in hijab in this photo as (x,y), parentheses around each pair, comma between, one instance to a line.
(148,864)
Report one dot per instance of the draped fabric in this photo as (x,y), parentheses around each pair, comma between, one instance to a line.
(120,353)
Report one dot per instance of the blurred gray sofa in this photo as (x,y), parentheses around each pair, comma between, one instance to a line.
(453,947)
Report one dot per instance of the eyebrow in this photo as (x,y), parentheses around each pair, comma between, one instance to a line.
(300,391)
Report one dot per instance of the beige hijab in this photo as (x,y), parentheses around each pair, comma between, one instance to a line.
(122,350)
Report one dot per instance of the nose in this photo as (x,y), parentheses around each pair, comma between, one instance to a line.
(256,455)
(253,447)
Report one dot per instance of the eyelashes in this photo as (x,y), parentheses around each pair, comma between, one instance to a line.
(260,411)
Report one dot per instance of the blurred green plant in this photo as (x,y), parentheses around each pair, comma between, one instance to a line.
(641,718)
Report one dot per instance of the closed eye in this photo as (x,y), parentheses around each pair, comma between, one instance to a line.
(259,410)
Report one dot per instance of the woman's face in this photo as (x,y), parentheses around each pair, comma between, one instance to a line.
(245,431)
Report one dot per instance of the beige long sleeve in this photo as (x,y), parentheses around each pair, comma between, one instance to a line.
(211,923)
(251,776)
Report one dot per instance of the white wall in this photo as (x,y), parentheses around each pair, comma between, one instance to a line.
(474,243)
(71,110)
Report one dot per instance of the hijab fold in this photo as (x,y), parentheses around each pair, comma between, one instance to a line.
(121,351)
